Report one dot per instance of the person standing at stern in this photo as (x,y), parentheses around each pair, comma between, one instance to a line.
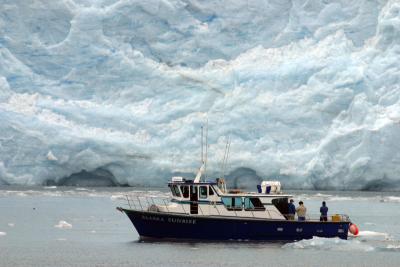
(324,212)
(301,211)
(292,210)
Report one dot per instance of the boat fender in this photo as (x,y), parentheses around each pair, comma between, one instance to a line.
(353,229)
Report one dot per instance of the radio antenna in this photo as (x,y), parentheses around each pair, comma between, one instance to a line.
(223,160)
(202,153)
(226,155)
(205,162)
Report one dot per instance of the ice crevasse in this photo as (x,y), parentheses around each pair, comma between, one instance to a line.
(115,92)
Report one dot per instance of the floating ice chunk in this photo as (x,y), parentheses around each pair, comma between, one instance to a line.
(93,231)
(393,247)
(3,233)
(11,224)
(322,195)
(391,199)
(63,225)
(50,187)
(339,198)
(61,239)
(51,157)
(117,197)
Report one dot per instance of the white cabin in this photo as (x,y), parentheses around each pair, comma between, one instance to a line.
(211,199)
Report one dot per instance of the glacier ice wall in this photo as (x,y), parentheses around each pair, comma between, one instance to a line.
(116,91)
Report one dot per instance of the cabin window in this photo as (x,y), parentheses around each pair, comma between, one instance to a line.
(253,203)
(210,191)
(248,204)
(203,191)
(232,203)
(281,204)
(176,190)
(185,191)
(172,190)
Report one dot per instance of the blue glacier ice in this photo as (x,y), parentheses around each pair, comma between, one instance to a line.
(110,92)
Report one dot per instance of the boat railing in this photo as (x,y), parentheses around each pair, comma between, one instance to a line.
(159,204)
(163,204)
(316,217)
(146,203)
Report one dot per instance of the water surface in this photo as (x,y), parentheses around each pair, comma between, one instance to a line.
(96,234)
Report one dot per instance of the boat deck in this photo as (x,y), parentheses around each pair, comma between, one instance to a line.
(162,205)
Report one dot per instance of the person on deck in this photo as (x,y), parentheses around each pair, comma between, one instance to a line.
(301,211)
(324,212)
(291,210)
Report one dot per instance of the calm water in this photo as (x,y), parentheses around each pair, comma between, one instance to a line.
(101,236)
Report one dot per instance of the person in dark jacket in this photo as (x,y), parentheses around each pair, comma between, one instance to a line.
(324,212)
(292,210)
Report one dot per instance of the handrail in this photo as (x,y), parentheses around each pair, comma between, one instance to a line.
(202,213)
(129,203)
(166,206)
(162,204)
(315,217)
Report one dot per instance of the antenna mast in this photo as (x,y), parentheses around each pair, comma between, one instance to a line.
(202,154)
(226,155)
(205,162)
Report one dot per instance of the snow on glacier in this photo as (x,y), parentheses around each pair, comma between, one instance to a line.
(115,92)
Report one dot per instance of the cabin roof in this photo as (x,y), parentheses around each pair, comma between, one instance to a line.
(191,182)
(240,194)
(253,194)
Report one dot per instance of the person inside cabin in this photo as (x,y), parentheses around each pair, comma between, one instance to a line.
(324,212)
(301,211)
(291,210)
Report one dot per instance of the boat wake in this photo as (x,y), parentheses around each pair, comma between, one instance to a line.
(334,244)
(366,241)
(374,235)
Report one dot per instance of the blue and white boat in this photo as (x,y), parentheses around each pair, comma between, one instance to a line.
(206,210)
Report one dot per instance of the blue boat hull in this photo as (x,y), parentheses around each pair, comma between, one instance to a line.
(156,225)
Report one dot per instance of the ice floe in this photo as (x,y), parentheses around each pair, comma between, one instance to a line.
(63,225)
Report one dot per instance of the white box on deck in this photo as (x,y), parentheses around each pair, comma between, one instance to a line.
(275,186)
(177,179)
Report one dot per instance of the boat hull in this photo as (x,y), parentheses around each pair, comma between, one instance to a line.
(158,225)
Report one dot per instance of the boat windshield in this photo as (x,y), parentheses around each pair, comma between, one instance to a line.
(175,191)
(185,191)
(211,191)
(203,191)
